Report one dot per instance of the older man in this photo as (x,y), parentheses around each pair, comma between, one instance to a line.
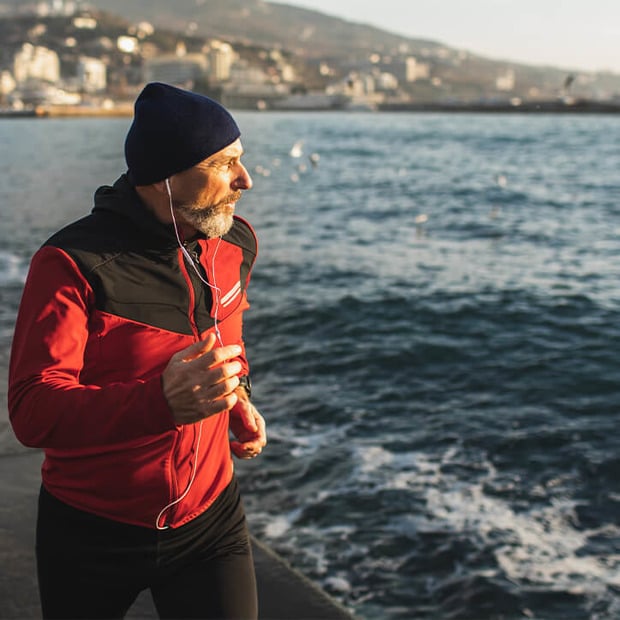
(129,370)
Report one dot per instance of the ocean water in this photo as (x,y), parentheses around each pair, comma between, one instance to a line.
(434,338)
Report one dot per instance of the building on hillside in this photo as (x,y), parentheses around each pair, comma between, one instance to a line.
(173,69)
(221,58)
(46,8)
(7,83)
(353,85)
(386,81)
(127,44)
(84,22)
(244,73)
(416,70)
(506,81)
(142,30)
(91,75)
(36,63)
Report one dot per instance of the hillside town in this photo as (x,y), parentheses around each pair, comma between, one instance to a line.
(60,56)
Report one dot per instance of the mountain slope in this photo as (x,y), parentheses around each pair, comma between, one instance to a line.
(346,47)
(305,32)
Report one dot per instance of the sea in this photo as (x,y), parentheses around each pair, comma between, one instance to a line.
(434,336)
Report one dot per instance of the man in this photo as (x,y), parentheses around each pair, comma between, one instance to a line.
(128,369)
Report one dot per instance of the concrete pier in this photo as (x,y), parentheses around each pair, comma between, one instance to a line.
(283,592)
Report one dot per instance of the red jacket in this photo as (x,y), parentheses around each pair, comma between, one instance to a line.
(108,300)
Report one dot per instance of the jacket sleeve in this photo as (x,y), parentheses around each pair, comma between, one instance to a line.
(48,405)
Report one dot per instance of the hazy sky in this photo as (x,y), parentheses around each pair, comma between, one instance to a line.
(572,34)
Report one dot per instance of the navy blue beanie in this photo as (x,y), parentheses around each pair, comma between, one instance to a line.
(173,130)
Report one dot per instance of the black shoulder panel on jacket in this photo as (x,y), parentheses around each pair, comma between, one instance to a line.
(131,262)
(129,276)
(242,235)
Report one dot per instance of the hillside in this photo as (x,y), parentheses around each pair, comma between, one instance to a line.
(314,37)
(311,39)
(307,33)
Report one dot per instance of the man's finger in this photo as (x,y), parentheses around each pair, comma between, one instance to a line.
(198,349)
(209,357)
(245,450)
(223,354)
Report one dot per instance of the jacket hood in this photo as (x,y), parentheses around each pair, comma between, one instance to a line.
(123,201)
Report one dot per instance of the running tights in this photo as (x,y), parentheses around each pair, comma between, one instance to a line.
(90,567)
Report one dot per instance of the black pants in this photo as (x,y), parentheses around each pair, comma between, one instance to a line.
(89,567)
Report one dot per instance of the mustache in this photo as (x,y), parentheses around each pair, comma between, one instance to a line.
(232,197)
(195,207)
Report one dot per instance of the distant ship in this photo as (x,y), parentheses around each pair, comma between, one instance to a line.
(26,112)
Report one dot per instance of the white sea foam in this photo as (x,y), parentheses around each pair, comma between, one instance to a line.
(372,458)
(535,548)
(338,584)
(539,547)
(277,526)
(12,268)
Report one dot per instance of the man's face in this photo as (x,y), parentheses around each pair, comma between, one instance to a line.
(205,195)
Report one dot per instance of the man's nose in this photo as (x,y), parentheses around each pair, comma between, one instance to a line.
(243,180)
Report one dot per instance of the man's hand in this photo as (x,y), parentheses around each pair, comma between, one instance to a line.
(248,427)
(200,380)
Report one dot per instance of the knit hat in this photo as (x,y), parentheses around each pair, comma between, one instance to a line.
(173,130)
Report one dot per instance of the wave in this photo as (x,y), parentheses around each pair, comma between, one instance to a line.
(458,551)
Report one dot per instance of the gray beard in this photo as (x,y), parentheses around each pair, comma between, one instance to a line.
(211,222)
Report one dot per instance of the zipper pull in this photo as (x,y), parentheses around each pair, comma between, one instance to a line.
(192,252)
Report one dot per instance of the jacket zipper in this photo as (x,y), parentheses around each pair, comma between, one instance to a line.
(174,482)
(190,287)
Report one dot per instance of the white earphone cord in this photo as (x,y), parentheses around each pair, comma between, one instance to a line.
(217,292)
(189,259)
